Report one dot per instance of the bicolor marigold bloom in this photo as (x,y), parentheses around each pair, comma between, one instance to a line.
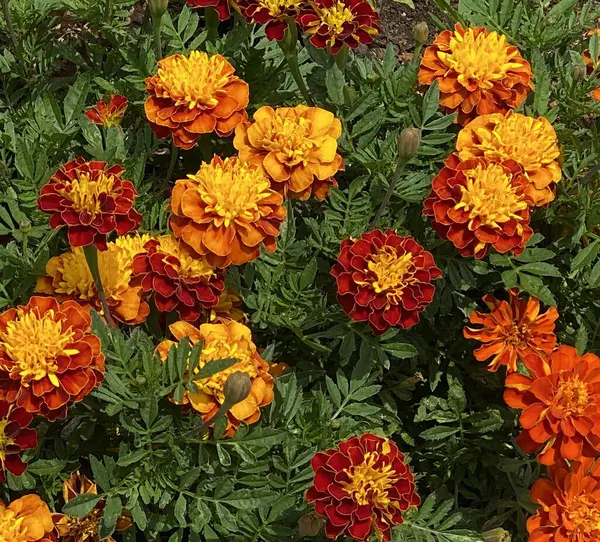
(180,279)
(362,487)
(194,95)
(530,142)
(560,403)
(68,277)
(108,114)
(274,14)
(477,204)
(228,339)
(332,24)
(296,146)
(385,279)
(478,72)
(15,437)
(229,307)
(91,200)
(221,7)
(49,359)
(512,330)
(27,519)
(226,212)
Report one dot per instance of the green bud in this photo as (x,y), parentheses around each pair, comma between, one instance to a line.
(420,32)
(409,142)
(157,8)
(25,226)
(497,535)
(236,388)
(578,72)
(309,525)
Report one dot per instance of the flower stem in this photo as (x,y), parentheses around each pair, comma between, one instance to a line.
(341,58)
(211,20)
(174,154)
(91,257)
(157,37)
(11,29)
(388,195)
(108,11)
(288,46)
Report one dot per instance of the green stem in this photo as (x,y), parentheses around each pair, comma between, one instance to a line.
(25,247)
(388,195)
(341,58)
(108,11)
(11,29)
(211,20)
(174,154)
(157,37)
(91,256)
(206,149)
(288,46)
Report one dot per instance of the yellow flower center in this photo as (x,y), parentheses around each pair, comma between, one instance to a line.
(4,440)
(585,515)
(335,17)
(85,192)
(11,528)
(279,7)
(188,265)
(289,138)
(573,396)
(33,343)
(518,336)
(80,529)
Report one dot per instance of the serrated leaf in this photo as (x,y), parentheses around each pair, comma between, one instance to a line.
(110,514)
(215,366)
(438,433)
(81,505)
(335,82)
(334,392)
(431,102)
(181,510)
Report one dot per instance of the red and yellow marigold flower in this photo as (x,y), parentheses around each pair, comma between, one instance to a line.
(49,359)
(27,519)
(591,64)
(226,212)
(221,7)
(180,279)
(296,146)
(194,95)
(478,72)
(512,330)
(362,487)
(530,142)
(560,403)
(228,339)
(332,24)
(68,277)
(477,204)
(15,437)
(385,279)
(91,200)
(272,13)
(229,307)
(108,114)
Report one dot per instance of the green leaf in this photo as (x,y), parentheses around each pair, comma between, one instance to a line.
(81,505)
(364,393)
(246,499)
(112,510)
(335,82)
(542,269)
(134,457)
(439,433)
(334,392)
(535,286)
(348,345)
(431,102)
(559,9)
(585,256)
(46,467)
(457,400)
(307,278)
(181,510)
(75,99)
(581,340)
(101,475)
(534,255)
(510,277)
(214,367)
(400,350)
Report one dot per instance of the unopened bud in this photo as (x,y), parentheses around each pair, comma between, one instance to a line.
(409,142)
(25,226)
(578,72)
(497,535)
(309,525)
(420,32)
(236,388)
(157,8)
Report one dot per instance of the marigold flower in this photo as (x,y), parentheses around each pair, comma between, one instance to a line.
(68,277)
(478,72)
(194,95)
(296,146)
(228,339)
(221,7)
(560,403)
(228,307)
(530,142)
(91,200)
(226,212)
(335,23)
(110,114)
(512,330)
(27,519)
(384,278)
(180,279)
(476,204)
(49,359)
(272,13)
(15,437)
(591,64)
(362,486)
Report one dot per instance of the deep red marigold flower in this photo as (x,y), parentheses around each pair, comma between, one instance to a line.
(221,7)
(384,278)
(49,359)
(272,13)
(560,403)
(15,437)
(361,487)
(512,330)
(27,519)
(332,24)
(180,279)
(91,200)
(476,204)
(110,114)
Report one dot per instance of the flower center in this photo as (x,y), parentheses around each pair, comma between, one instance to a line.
(335,17)
(86,192)
(4,440)
(279,7)
(11,529)
(80,529)
(573,396)
(517,336)
(289,138)
(584,515)
(188,265)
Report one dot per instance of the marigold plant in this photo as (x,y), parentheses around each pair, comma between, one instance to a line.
(27,519)
(15,436)
(108,114)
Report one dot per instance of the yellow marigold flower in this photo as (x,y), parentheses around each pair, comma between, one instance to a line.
(228,307)
(228,339)
(530,142)
(296,146)
(27,519)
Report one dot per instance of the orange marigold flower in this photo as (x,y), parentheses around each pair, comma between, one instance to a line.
(27,519)
(221,7)
(180,279)
(49,359)
(530,142)
(560,403)
(512,330)
(477,204)
(228,307)
(91,200)
(362,486)
(110,114)
(272,13)
(15,437)
(296,146)
(228,339)
(477,71)
(68,277)
(226,212)
(385,279)
(194,95)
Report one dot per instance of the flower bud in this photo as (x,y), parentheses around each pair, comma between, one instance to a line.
(25,226)
(497,535)
(409,142)
(578,72)
(420,32)
(309,525)
(157,8)
(236,388)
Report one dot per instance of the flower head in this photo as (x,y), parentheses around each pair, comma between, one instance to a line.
(226,212)
(512,330)
(110,114)
(361,487)
(332,24)
(180,279)
(296,146)
(272,13)
(91,200)
(221,7)
(27,519)
(590,64)
(560,403)
(228,339)
(15,437)
(385,279)
(530,142)
(194,95)
(228,307)
(476,204)
(478,72)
